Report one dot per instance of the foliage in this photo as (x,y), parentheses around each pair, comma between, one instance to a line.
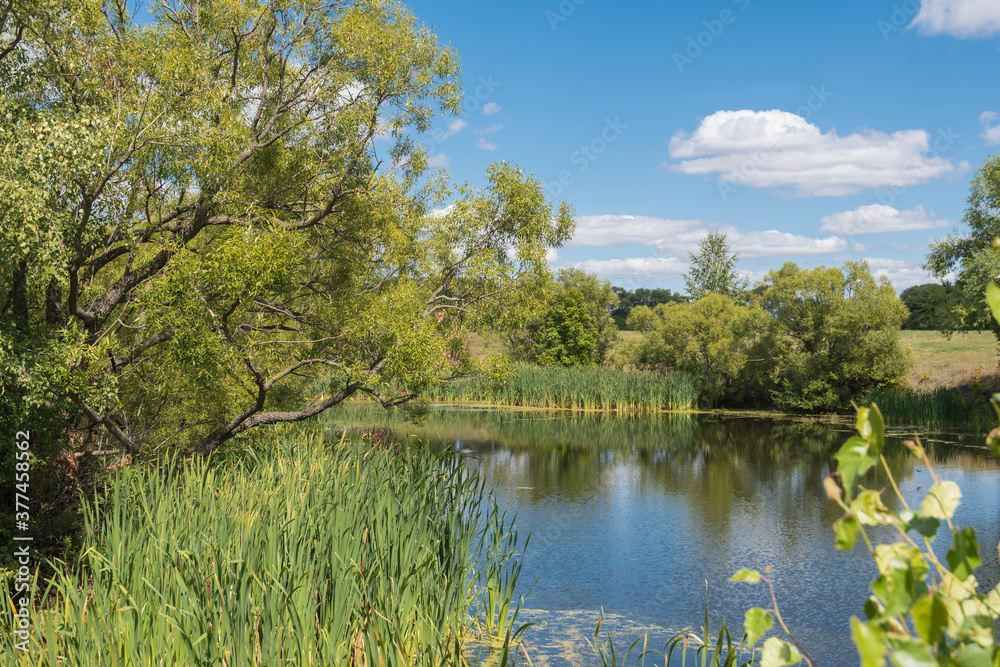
(711,339)
(575,327)
(642,296)
(931,306)
(204,209)
(297,550)
(642,318)
(567,336)
(923,610)
(968,255)
(713,269)
(941,407)
(576,388)
(834,336)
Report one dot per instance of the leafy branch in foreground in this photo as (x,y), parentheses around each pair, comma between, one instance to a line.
(923,610)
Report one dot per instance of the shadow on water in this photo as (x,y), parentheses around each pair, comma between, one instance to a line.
(633,515)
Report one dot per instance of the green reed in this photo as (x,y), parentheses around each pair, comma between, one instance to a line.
(577,388)
(942,407)
(308,552)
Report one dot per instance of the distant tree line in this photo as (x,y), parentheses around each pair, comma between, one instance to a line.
(650,298)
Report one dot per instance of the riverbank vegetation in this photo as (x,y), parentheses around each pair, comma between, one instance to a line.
(577,388)
(291,548)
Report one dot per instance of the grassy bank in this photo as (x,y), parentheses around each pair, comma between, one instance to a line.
(941,407)
(300,551)
(952,363)
(946,385)
(577,388)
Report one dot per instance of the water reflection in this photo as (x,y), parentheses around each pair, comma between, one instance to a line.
(635,515)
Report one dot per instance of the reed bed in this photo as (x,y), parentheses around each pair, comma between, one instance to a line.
(308,552)
(577,388)
(941,407)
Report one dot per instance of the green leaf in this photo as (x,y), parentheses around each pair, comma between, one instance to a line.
(930,617)
(779,653)
(926,526)
(913,653)
(756,623)
(871,645)
(869,509)
(853,460)
(871,426)
(941,501)
(963,556)
(847,533)
(745,575)
(974,655)
(993,300)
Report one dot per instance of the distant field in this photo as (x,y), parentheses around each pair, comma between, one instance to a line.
(954,362)
(943,362)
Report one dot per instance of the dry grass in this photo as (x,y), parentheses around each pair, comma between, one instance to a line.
(955,363)
(484,345)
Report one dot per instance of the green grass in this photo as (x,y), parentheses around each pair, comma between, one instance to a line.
(297,552)
(576,388)
(954,362)
(941,407)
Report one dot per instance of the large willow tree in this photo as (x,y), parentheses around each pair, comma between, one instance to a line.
(207,208)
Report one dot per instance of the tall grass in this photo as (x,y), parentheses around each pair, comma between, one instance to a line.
(577,388)
(310,553)
(942,407)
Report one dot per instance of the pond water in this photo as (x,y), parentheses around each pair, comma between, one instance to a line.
(647,518)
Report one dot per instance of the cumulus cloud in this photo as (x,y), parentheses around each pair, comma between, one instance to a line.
(634,268)
(496,127)
(613,231)
(780,150)
(991,130)
(491,108)
(453,128)
(901,274)
(682,236)
(438,161)
(441,212)
(551,255)
(958,18)
(486,145)
(878,218)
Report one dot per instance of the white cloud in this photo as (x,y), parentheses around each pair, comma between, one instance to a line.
(441,212)
(878,218)
(991,132)
(780,150)
(440,160)
(901,274)
(491,108)
(612,231)
(486,145)
(635,268)
(958,18)
(551,255)
(683,236)
(453,128)
(496,127)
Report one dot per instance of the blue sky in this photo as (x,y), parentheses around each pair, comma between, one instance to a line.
(808,131)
